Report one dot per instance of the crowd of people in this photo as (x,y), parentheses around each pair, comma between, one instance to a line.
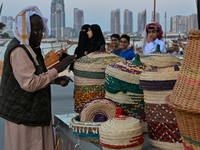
(25,98)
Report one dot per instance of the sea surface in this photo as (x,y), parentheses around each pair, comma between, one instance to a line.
(46,47)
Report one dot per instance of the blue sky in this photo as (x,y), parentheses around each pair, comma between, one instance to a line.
(98,11)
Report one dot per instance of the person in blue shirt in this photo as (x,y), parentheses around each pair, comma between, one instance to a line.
(126,53)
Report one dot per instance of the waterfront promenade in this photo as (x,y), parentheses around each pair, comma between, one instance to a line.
(62,103)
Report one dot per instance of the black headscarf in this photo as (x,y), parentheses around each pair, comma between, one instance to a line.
(97,40)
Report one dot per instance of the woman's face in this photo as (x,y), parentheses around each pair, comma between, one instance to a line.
(90,34)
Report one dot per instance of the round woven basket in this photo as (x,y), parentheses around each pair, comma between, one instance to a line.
(89,76)
(121,132)
(98,110)
(189,125)
(88,131)
(160,60)
(122,86)
(162,124)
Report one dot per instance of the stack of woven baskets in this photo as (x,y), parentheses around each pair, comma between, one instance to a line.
(185,97)
(163,129)
(89,76)
(121,132)
(122,86)
(94,113)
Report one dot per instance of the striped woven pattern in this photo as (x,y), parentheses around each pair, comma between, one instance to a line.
(85,130)
(120,133)
(98,110)
(85,93)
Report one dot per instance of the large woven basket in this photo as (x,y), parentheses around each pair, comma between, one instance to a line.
(122,86)
(89,76)
(88,131)
(121,132)
(162,124)
(186,91)
(159,60)
(189,125)
(98,110)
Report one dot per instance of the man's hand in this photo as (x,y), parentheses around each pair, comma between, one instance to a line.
(65,63)
(63,80)
(85,53)
(149,39)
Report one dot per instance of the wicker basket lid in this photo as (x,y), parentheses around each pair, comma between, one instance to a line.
(128,70)
(160,59)
(121,131)
(94,64)
(158,79)
(98,110)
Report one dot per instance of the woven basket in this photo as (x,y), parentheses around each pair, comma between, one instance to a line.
(121,133)
(162,124)
(160,60)
(122,86)
(159,79)
(186,91)
(88,131)
(98,110)
(89,76)
(189,125)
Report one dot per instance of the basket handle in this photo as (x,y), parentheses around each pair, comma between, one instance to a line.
(137,60)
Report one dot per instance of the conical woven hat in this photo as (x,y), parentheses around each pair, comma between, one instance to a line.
(186,91)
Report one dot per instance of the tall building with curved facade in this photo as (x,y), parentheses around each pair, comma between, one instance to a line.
(128,21)
(115,21)
(57,18)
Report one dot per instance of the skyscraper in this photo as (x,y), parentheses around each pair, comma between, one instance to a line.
(57,18)
(4,19)
(115,21)
(141,21)
(128,21)
(179,24)
(192,22)
(157,17)
(78,19)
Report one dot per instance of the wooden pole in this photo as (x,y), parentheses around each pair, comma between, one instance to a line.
(165,27)
(154,14)
(198,12)
(119,23)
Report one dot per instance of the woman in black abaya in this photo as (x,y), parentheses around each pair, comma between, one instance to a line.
(96,37)
(83,42)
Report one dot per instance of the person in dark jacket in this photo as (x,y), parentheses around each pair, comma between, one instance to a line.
(25,94)
(97,41)
(127,53)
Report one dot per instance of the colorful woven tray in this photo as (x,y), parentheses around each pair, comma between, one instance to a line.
(98,110)
(121,132)
(88,131)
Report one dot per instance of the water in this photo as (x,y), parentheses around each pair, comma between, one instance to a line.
(45,46)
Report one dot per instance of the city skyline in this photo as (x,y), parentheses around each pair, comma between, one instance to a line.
(99,12)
